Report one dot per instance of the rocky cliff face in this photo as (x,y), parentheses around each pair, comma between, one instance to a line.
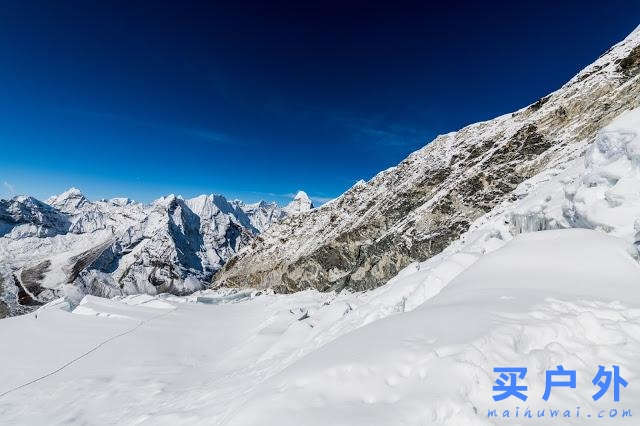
(70,245)
(414,210)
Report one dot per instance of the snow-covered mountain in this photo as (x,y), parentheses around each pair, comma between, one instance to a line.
(263,214)
(523,287)
(413,211)
(301,204)
(111,247)
(545,274)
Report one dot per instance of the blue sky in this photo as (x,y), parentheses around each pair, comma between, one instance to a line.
(255,101)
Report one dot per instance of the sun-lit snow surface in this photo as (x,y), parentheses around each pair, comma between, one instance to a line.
(418,350)
(434,364)
(502,295)
(343,359)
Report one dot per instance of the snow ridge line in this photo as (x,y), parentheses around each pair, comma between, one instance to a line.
(79,357)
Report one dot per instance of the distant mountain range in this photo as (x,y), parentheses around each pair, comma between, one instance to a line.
(73,246)
(436,198)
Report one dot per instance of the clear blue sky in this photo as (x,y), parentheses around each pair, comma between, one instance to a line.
(253,101)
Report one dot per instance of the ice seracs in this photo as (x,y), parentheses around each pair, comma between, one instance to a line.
(600,190)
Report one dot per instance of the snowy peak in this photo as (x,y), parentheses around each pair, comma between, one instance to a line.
(203,205)
(301,203)
(211,208)
(24,216)
(119,201)
(261,215)
(301,196)
(69,201)
(165,202)
(72,192)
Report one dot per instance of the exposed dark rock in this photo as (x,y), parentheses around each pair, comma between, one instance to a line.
(561,112)
(538,104)
(82,261)
(30,277)
(630,66)
(477,150)
(4,310)
(25,296)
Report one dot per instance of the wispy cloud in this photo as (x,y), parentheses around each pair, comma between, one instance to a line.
(207,135)
(192,132)
(10,189)
(286,197)
(270,194)
(386,137)
(380,133)
(318,200)
(374,130)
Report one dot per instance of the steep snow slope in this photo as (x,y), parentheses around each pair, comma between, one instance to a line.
(74,246)
(414,210)
(418,350)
